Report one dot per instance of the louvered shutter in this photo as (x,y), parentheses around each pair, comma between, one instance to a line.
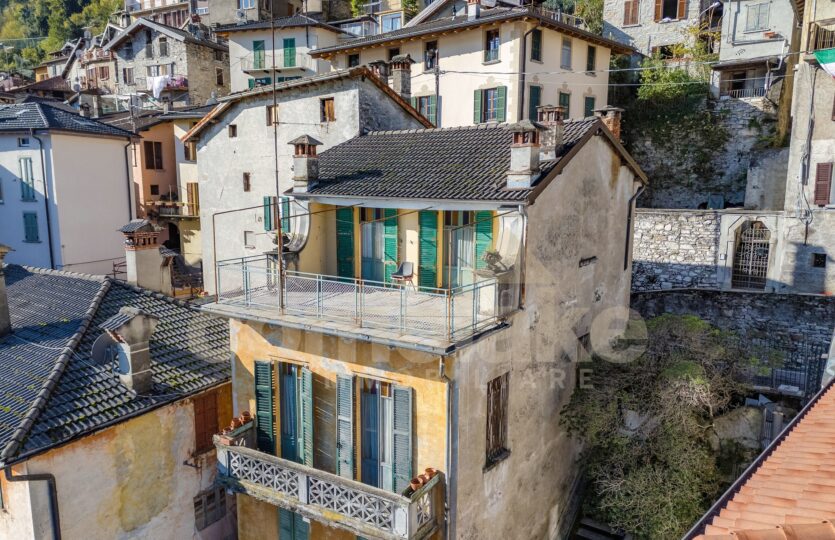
(823,183)
(268,213)
(345,242)
(389,243)
(535,98)
(301,528)
(433,110)
(501,103)
(477,112)
(30,227)
(682,9)
(306,409)
(264,407)
(414,102)
(402,437)
(27,179)
(286,522)
(483,236)
(428,249)
(251,83)
(285,214)
(658,4)
(345,426)
(258,54)
(290,52)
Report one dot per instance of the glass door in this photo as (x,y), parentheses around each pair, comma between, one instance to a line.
(459,243)
(376,412)
(289,410)
(373,244)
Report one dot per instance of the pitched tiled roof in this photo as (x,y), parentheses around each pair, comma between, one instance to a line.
(170,31)
(43,116)
(793,483)
(445,24)
(51,390)
(293,21)
(466,163)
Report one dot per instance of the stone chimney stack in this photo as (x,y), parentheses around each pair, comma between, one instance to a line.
(552,120)
(524,155)
(305,163)
(473,9)
(401,72)
(131,329)
(5,314)
(144,263)
(611,117)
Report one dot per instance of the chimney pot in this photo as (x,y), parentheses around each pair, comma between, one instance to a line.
(611,117)
(131,329)
(5,314)
(552,119)
(473,9)
(305,163)
(144,264)
(401,71)
(524,155)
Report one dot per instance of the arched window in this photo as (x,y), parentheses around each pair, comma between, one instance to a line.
(753,246)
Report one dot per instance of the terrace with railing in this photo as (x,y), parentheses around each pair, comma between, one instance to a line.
(744,93)
(285,59)
(453,314)
(820,37)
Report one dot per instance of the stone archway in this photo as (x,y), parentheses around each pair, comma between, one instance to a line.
(751,256)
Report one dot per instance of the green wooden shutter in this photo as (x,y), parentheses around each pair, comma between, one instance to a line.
(27,179)
(345,426)
(30,227)
(264,407)
(535,98)
(289,52)
(251,83)
(477,111)
(536,45)
(401,437)
(433,110)
(268,213)
(501,103)
(285,214)
(286,524)
(301,528)
(414,102)
(588,106)
(345,242)
(389,243)
(258,54)
(306,409)
(428,249)
(483,236)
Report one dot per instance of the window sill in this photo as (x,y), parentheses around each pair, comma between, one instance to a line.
(631,25)
(496,460)
(564,67)
(491,62)
(28,200)
(32,242)
(537,61)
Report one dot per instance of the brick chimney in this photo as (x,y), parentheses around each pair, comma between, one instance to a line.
(305,163)
(401,76)
(131,330)
(611,117)
(524,155)
(473,9)
(144,263)
(5,314)
(552,120)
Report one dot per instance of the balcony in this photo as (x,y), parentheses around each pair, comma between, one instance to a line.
(143,5)
(820,38)
(339,502)
(455,314)
(558,16)
(744,93)
(291,61)
(96,54)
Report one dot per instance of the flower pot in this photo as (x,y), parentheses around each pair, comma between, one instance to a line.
(415,483)
(430,472)
(423,479)
(236,423)
(245,417)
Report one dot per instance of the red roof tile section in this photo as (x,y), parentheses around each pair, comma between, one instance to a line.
(792,493)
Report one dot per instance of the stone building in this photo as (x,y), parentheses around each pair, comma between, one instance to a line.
(408,369)
(653,27)
(168,64)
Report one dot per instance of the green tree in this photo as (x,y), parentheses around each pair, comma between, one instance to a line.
(591,11)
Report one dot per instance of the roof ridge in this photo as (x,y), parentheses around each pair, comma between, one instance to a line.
(68,273)
(22,431)
(492,125)
(41,113)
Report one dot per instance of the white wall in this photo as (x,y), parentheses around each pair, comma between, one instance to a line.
(737,43)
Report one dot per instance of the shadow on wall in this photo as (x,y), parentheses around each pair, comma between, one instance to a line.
(807,267)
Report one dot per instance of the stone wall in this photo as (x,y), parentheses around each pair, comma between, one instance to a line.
(791,317)
(675,249)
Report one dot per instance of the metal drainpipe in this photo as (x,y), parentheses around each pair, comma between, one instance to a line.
(45,199)
(629,213)
(450,508)
(130,184)
(55,517)
(522,66)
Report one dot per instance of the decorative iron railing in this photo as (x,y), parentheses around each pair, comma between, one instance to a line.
(453,314)
(329,498)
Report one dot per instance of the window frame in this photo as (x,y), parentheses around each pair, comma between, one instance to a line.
(536,45)
(37,237)
(587,112)
(220,80)
(497,447)
(190,151)
(125,78)
(28,193)
(249,236)
(567,106)
(485,105)
(429,62)
(163,46)
(21,144)
(765,25)
(491,54)
(153,189)
(152,151)
(591,59)
(563,49)
(272,114)
(632,12)
(232,131)
(246,4)
(246,181)
(352,58)
(327,113)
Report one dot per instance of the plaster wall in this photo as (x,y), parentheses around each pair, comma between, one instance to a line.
(464,71)
(165,179)
(16,519)
(190,238)
(765,187)
(738,43)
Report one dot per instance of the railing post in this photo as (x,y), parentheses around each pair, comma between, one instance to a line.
(319,296)
(247,292)
(451,313)
(361,294)
(402,308)
(304,497)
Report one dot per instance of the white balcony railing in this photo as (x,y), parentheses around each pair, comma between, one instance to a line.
(449,314)
(141,5)
(742,93)
(331,499)
(292,60)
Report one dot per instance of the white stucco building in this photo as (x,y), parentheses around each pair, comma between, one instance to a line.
(64,188)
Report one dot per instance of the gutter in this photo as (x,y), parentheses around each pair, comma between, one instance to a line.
(522,65)
(629,214)
(54,516)
(451,462)
(128,180)
(45,199)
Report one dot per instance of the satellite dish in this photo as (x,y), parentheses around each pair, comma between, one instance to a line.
(240,16)
(101,351)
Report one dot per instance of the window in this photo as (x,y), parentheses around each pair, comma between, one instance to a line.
(219,76)
(218,55)
(591,59)
(756,18)
(209,507)
(631,12)
(490,105)
(819,260)
(163,46)
(588,106)
(430,52)
(154,189)
(565,57)
(565,102)
(289,48)
(23,142)
(127,50)
(232,131)
(247,182)
(536,45)
(326,110)
(670,10)
(353,60)
(246,4)
(497,391)
(30,227)
(534,101)
(127,75)
(428,107)
(156,71)
(249,239)
(104,73)
(394,51)
(149,45)
(205,421)
(272,114)
(190,150)
(491,46)
(390,22)
(153,155)
(27,179)
(823,184)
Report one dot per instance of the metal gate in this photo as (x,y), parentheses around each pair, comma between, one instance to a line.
(751,257)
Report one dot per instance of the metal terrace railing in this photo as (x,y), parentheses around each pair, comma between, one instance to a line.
(745,92)
(450,314)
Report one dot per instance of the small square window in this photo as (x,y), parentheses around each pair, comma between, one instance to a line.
(154,189)
(272,114)
(497,393)
(353,60)
(233,131)
(219,76)
(327,110)
(23,142)
(430,53)
(819,260)
(394,51)
(218,55)
(247,183)
(249,239)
